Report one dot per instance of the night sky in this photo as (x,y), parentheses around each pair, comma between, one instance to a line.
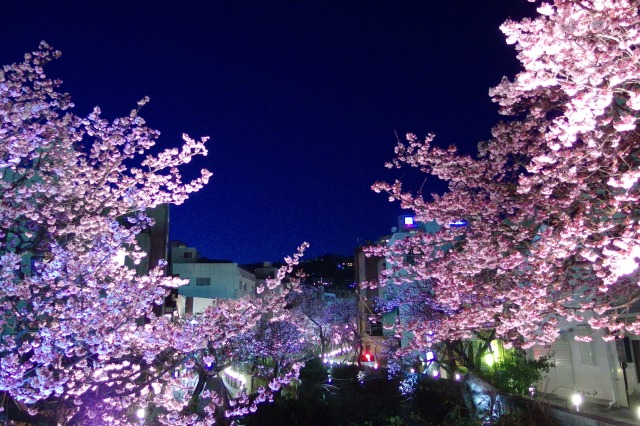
(302,100)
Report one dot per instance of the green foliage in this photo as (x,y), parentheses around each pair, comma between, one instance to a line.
(345,372)
(313,372)
(377,401)
(344,403)
(436,399)
(516,373)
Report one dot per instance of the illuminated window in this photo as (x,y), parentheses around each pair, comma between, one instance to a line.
(408,221)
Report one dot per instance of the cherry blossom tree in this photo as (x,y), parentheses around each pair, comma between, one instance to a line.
(271,352)
(310,306)
(334,322)
(78,339)
(342,315)
(550,203)
(277,345)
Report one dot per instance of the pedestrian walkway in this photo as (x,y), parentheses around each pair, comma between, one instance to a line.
(595,413)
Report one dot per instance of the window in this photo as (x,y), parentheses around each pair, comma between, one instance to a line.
(375,328)
(188,255)
(587,349)
(203,281)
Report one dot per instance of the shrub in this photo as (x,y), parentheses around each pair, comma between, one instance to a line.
(516,373)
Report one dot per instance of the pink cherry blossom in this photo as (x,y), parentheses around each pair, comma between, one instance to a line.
(550,201)
(78,336)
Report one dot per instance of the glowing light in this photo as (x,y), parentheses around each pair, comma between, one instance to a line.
(235,375)
(458,377)
(408,221)
(430,356)
(408,385)
(458,223)
(489,359)
(412,371)
(435,374)
(576,399)
(140,413)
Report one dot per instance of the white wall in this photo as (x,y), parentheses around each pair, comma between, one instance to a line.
(226,280)
(199,305)
(591,369)
(183,254)
(592,366)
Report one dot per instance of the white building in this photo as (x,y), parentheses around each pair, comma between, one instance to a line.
(208,280)
(597,370)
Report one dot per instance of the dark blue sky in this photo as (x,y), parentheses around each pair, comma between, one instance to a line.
(301,100)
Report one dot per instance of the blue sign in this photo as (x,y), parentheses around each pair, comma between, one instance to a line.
(458,223)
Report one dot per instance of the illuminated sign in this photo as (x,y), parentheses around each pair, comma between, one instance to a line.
(458,223)
(408,222)
(367,357)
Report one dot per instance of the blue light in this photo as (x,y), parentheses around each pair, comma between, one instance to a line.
(458,223)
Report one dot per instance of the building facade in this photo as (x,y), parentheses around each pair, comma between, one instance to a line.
(208,280)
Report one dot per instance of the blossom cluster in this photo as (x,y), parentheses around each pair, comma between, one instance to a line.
(550,201)
(78,337)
